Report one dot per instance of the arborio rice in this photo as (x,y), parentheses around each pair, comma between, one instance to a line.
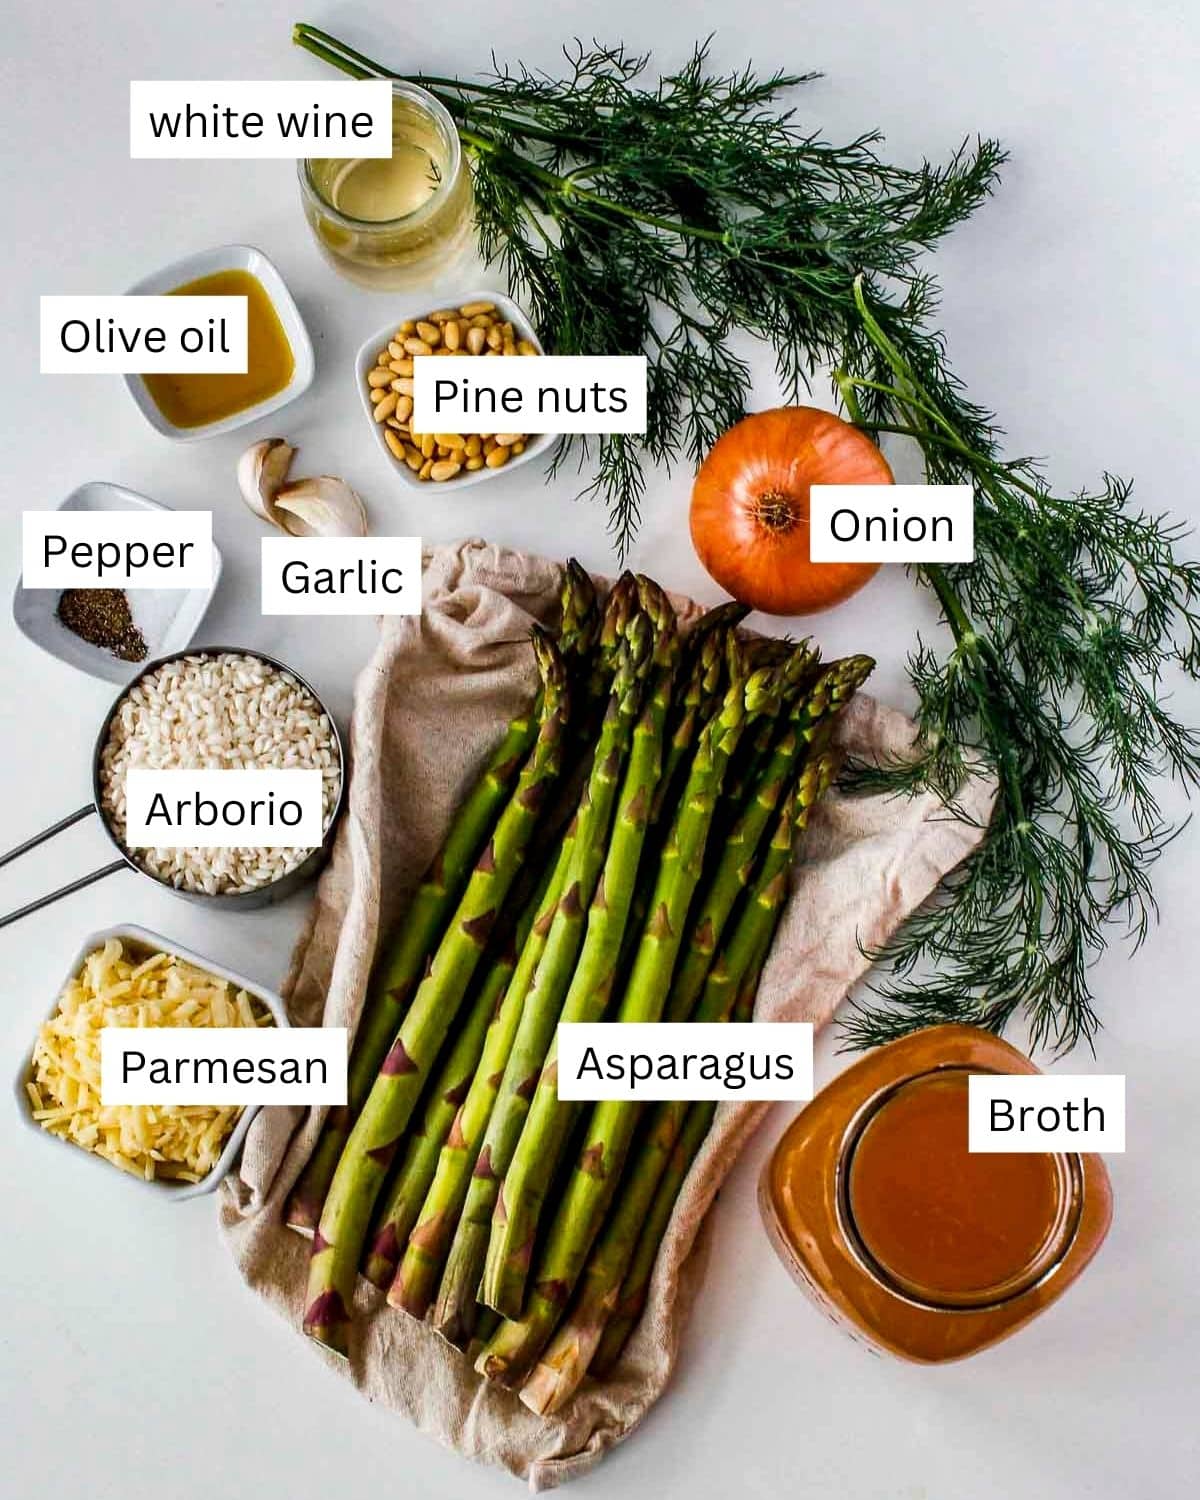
(217,712)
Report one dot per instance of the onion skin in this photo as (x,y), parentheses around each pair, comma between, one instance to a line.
(750,508)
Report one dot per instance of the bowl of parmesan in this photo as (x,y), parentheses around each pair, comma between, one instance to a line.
(130,977)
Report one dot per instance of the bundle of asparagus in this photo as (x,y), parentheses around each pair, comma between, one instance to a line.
(625,853)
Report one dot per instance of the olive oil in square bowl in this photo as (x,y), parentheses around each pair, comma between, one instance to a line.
(399,221)
(280,364)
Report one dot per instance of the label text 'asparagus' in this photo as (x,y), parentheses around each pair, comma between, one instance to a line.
(685,1060)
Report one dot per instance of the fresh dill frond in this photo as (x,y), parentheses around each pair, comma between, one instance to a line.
(656,218)
(661,217)
(1064,631)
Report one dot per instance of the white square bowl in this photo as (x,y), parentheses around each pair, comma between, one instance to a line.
(167,618)
(142,938)
(208,263)
(369,354)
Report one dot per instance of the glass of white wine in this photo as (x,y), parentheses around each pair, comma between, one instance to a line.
(398,221)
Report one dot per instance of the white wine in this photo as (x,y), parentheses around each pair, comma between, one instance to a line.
(401,220)
(378,191)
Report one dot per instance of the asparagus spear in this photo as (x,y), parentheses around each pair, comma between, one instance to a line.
(404,1201)
(591,984)
(810,720)
(636,1285)
(579,613)
(411,1181)
(701,670)
(460,1151)
(587,991)
(416,1281)
(399,970)
(511,1351)
(561,1368)
(380,1125)
(452,1178)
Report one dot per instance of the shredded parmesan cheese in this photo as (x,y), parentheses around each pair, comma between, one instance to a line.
(113,988)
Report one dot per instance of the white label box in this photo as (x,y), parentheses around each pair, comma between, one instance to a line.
(1046,1112)
(685,1060)
(116,549)
(216,119)
(139,335)
(517,393)
(374,575)
(215,809)
(223,1065)
(891,523)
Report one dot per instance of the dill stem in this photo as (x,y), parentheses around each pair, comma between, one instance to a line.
(967,639)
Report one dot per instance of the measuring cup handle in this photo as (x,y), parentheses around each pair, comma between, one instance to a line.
(66,890)
(47,833)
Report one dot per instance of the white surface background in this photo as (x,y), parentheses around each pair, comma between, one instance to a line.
(134,1362)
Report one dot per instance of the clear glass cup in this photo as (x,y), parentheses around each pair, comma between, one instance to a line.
(388,225)
(908,1240)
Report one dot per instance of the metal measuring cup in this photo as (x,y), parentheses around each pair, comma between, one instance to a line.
(265,895)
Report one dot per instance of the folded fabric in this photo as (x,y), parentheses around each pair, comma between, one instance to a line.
(427,709)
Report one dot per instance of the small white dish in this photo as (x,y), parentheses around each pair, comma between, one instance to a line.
(167,618)
(208,263)
(143,939)
(369,353)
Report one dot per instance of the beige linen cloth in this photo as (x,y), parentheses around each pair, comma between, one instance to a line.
(427,710)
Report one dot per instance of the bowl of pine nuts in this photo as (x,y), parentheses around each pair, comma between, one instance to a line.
(482,324)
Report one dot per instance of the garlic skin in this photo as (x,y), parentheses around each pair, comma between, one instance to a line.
(261,472)
(324,506)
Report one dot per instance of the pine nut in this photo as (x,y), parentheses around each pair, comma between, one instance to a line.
(474,329)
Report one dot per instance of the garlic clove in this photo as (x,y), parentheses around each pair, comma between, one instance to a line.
(261,472)
(324,506)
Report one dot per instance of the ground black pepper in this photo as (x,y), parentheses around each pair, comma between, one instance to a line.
(102,617)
